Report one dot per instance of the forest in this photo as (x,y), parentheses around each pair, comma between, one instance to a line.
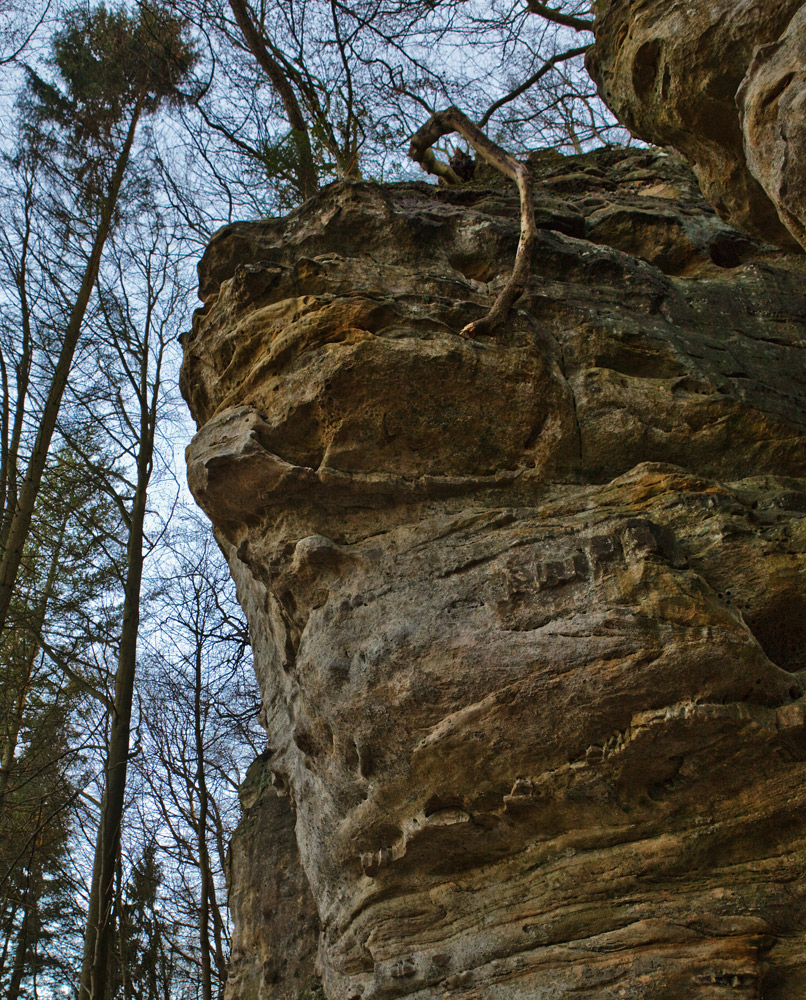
(130,133)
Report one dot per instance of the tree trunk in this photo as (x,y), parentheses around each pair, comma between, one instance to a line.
(107,846)
(98,938)
(25,936)
(21,954)
(93,914)
(307,179)
(121,925)
(9,461)
(20,525)
(201,833)
(8,927)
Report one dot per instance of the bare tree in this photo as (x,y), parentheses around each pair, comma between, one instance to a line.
(140,313)
(201,730)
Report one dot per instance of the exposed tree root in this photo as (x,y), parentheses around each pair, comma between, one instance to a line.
(452,120)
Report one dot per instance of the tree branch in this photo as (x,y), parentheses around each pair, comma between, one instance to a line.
(18,51)
(532,80)
(452,120)
(306,169)
(557,16)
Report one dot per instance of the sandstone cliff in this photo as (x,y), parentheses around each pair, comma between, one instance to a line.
(724,82)
(528,612)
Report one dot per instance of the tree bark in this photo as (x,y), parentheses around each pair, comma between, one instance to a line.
(201,834)
(121,925)
(207,901)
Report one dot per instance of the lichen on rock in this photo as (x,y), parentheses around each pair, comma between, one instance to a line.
(528,612)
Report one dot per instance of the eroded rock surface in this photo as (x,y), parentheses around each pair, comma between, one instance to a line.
(528,613)
(723,81)
(772,103)
(274,954)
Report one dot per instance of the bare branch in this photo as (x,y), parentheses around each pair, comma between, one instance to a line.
(557,16)
(5,60)
(531,81)
(452,120)
(307,177)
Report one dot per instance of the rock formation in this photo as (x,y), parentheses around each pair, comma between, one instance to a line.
(528,612)
(724,82)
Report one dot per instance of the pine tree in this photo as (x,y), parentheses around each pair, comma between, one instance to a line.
(110,69)
(141,970)
(35,828)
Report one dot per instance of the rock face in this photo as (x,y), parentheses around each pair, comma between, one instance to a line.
(278,926)
(772,104)
(528,613)
(724,82)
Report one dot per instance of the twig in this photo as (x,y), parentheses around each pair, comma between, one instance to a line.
(533,79)
(452,120)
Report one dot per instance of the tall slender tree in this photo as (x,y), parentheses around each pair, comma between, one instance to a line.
(200,731)
(110,69)
(139,315)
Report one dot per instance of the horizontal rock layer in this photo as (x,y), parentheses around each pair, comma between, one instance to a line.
(528,612)
(724,82)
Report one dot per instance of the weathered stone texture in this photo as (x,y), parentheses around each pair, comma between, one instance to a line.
(671,71)
(772,103)
(274,954)
(528,613)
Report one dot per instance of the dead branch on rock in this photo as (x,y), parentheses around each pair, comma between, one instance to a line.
(452,120)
